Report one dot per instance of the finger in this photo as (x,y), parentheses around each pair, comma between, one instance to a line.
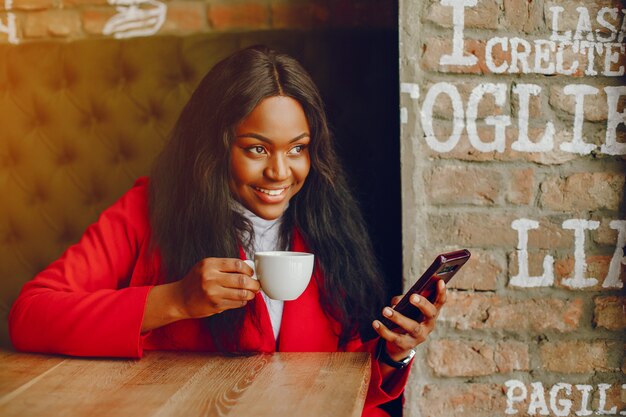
(233,265)
(395,300)
(238,294)
(239,281)
(442,294)
(402,343)
(411,327)
(428,309)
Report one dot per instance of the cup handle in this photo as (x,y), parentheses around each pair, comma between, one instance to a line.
(251,264)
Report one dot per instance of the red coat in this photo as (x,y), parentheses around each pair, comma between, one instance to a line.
(91,302)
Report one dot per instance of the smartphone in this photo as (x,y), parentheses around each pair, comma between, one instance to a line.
(444,267)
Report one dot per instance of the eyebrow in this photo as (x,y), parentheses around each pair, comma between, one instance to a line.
(267,140)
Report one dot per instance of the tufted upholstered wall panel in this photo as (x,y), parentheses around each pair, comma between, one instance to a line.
(79,122)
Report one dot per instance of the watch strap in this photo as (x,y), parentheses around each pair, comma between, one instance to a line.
(384,357)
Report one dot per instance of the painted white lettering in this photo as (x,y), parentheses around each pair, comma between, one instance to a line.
(523,279)
(619,257)
(578,145)
(537,400)
(513,385)
(611,146)
(591,48)
(135,18)
(580,263)
(562,406)
(607,25)
(559,59)
(523,142)
(427,116)
(584,401)
(458,22)
(499,122)
(602,388)
(611,57)
(543,49)
(622,30)
(583,25)
(504,45)
(567,36)
(414,92)
(519,56)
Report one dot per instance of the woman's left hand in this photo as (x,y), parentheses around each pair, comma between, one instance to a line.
(410,332)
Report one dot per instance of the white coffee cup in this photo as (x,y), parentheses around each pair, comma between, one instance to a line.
(283,275)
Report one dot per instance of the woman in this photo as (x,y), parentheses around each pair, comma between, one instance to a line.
(249,166)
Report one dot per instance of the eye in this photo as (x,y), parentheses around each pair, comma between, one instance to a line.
(256,150)
(296,149)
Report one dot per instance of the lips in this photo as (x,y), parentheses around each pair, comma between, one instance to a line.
(271,195)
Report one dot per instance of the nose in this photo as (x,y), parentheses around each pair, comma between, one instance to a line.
(277,168)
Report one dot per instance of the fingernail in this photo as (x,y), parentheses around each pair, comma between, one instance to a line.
(376,325)
(416,299)
(387,312)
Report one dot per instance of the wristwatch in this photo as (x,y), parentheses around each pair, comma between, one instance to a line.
(383,356)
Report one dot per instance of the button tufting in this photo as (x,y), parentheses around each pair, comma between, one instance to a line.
(67,154)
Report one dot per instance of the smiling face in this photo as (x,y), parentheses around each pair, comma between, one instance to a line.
(270,159)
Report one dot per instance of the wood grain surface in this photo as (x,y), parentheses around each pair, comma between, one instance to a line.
(185,384)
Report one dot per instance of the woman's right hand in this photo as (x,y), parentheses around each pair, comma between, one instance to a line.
(210,287)
(214,285)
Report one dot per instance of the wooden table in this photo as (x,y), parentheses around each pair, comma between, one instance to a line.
(185,384)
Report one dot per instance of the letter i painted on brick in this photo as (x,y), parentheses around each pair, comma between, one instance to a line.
(580,264)
(458,22)
(523,279)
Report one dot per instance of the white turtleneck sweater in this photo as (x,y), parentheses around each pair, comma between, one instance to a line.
(266,234)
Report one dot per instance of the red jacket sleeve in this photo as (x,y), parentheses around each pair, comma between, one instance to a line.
(81,304)
(376,395)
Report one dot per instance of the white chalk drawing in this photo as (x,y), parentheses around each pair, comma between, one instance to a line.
(586,44)
(579,226)
(580,263)
(523,143)
(9,27)
(135,18)
(563,400)
(523,278)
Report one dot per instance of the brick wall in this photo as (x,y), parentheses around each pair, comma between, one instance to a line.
(31,20)
(513,145)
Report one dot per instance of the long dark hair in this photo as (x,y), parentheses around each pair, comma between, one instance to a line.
(191,211)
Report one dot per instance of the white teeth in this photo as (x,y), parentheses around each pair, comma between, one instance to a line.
(270,192)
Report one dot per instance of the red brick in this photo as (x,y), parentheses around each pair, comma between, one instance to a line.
(597,267)
(523,15)
(484,15)
(610,313)
(458,398)
(226,16)
(466,311)
(185,16)
(580,356)
(435,48)
(521,187)
(583,191)
(466,152)
(463,185)
(313,15)
(450,358)
(604,235)
(56,23)
(535,261)
(80,3)
(595,105)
